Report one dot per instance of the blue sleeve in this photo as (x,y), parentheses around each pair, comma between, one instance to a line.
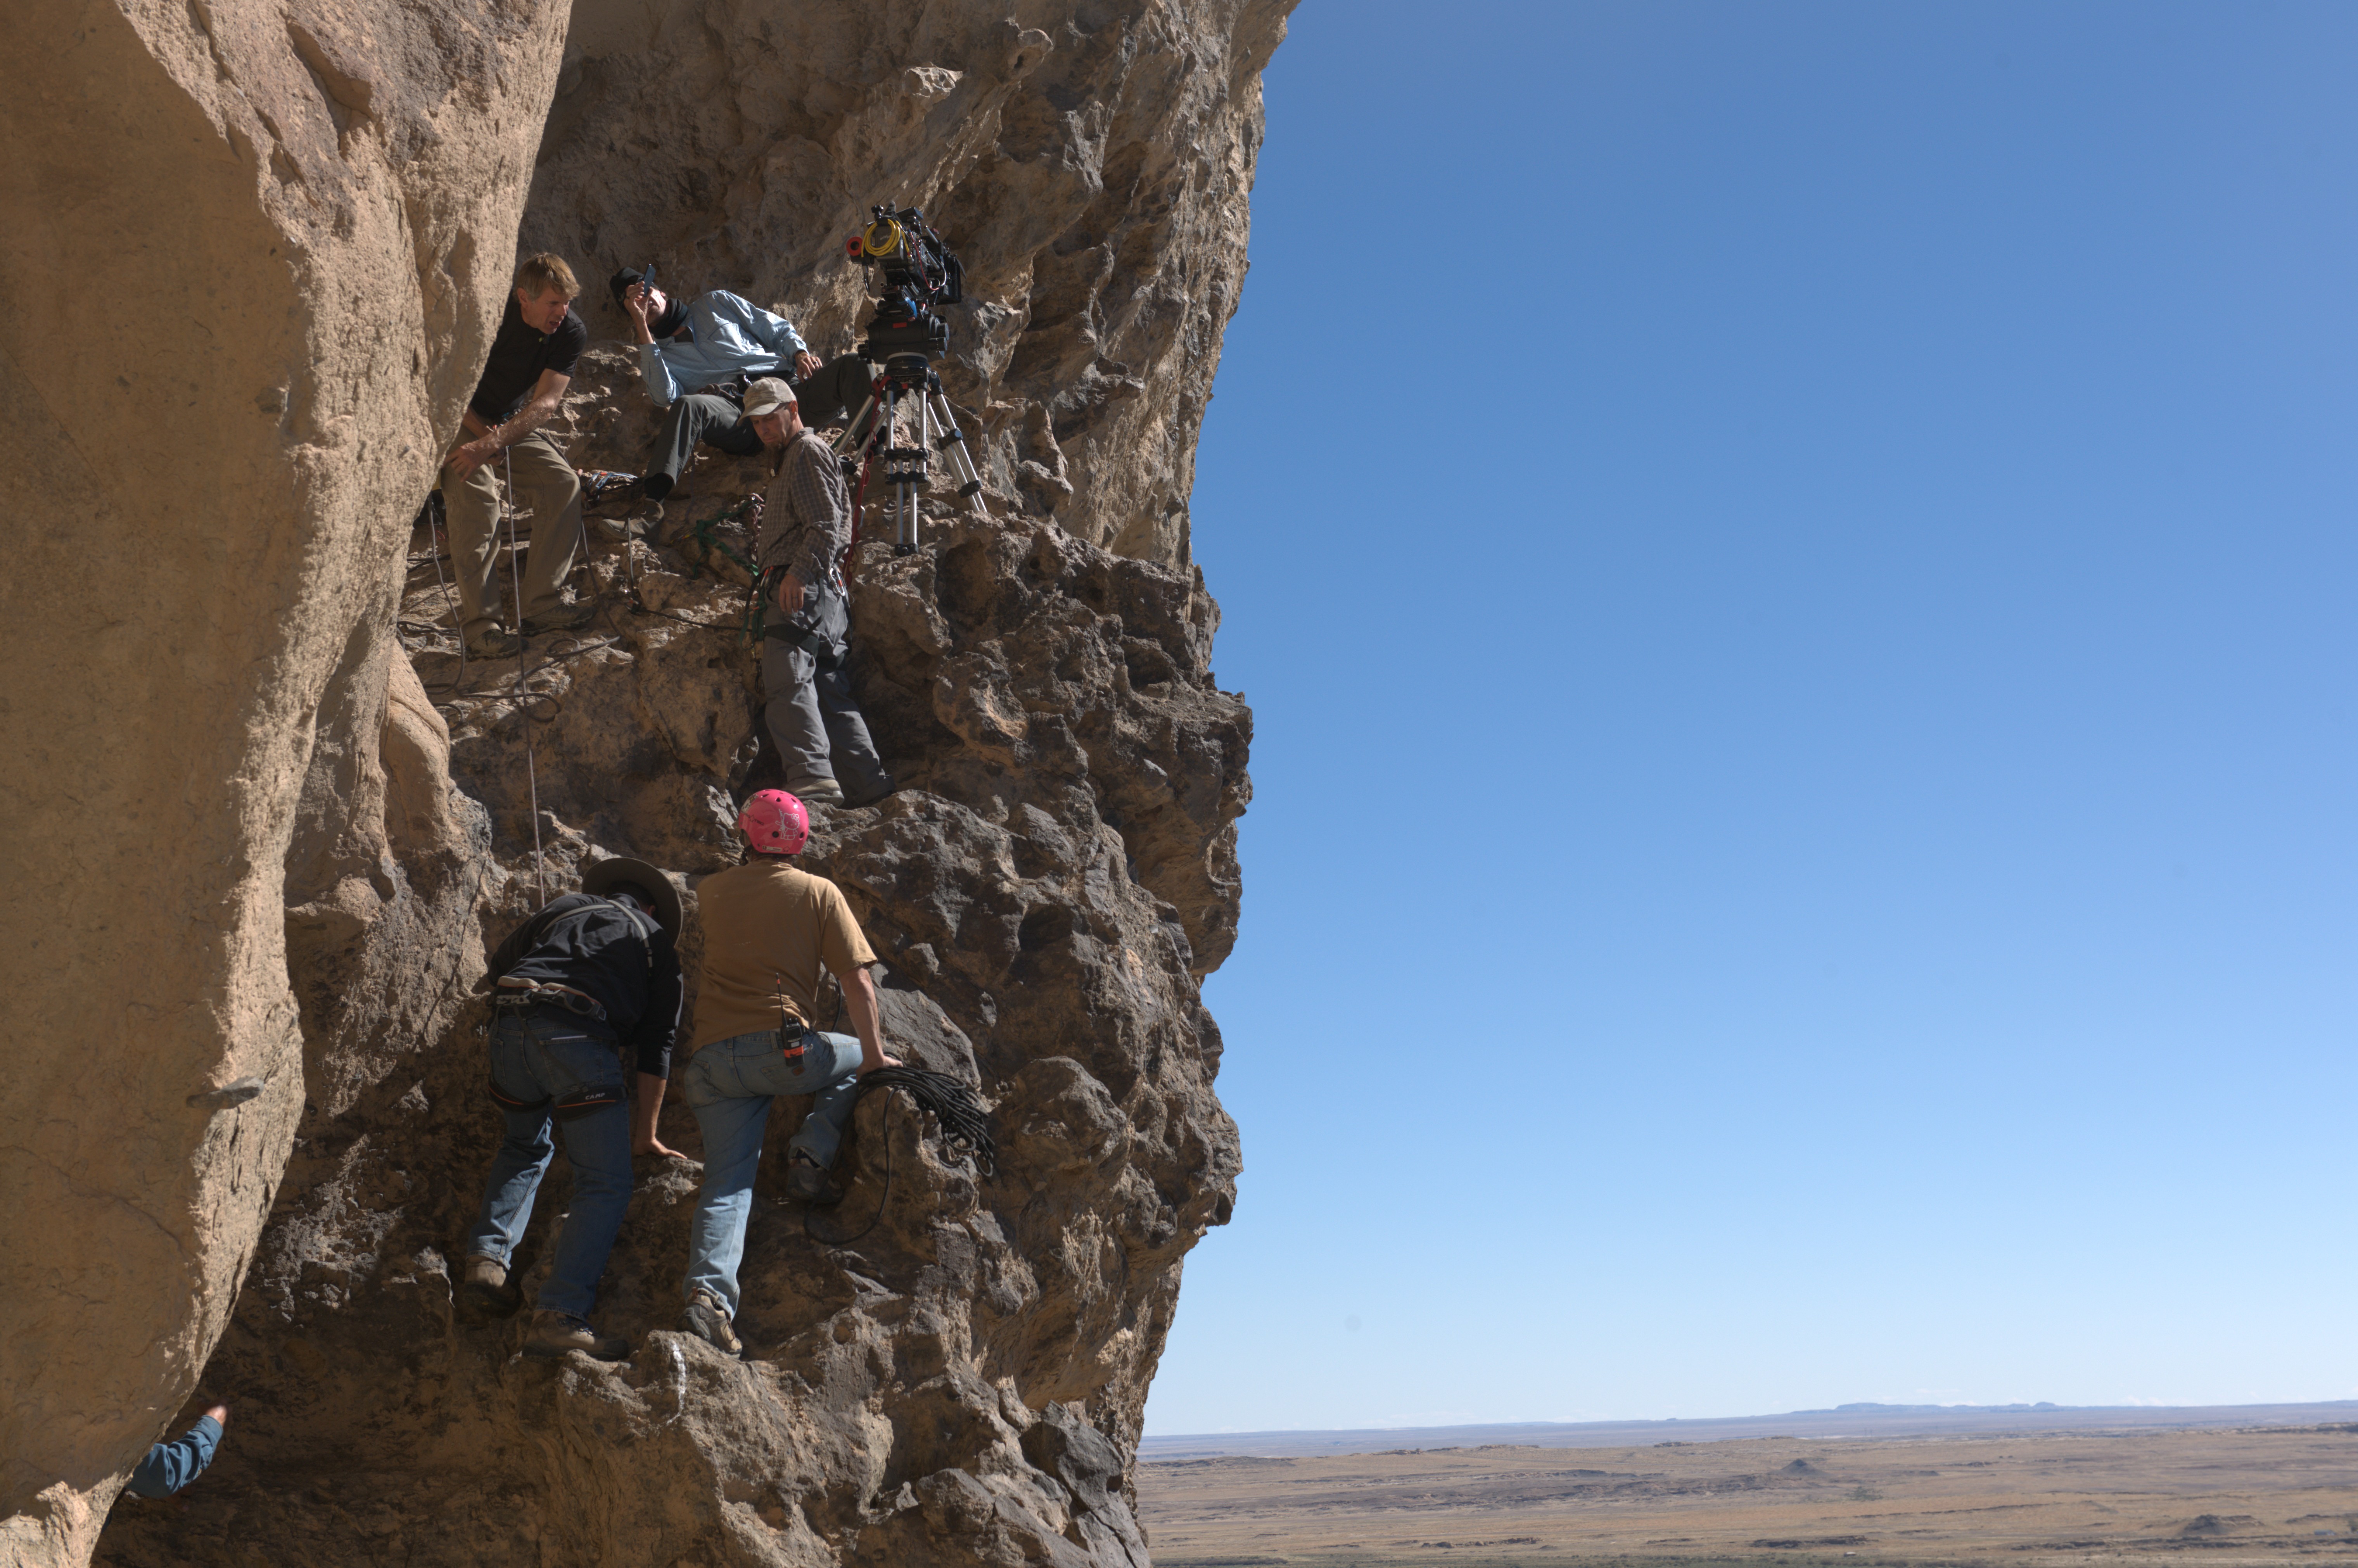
(172,1465)
(775,333)
(658,375)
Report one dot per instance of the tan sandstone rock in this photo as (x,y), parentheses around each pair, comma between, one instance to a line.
(267,241)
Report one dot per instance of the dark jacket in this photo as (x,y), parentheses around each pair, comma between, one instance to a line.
(597,947)
(172,1465)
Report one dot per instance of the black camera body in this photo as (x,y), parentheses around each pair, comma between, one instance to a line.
(919,272)
(901,327)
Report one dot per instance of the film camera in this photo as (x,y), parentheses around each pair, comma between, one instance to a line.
(919,272)
(906,420)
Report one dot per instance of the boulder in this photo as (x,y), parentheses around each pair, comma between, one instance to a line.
(260,248)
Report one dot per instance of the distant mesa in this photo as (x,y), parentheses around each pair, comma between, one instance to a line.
(1802,1467)
(2218,1524)
(1870,1408)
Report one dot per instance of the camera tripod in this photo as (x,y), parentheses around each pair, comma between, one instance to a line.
(874,434)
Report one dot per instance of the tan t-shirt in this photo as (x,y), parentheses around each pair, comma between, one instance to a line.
(767,930)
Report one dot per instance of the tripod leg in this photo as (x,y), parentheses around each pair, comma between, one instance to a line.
(849,442)
(907,542)
(952,442)
(888,424)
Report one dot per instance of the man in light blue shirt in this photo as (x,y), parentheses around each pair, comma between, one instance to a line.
(697,358)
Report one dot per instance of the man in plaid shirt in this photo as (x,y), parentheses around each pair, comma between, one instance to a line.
(805,527)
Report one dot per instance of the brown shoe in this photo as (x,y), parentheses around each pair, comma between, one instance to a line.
(555,1335)
(707,1319)
(818,792)
(565,618)
(485,1289)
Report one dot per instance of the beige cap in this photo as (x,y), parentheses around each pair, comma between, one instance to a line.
(767,396)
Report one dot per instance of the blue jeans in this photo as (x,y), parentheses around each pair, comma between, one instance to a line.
(729,1084)
(536,1057)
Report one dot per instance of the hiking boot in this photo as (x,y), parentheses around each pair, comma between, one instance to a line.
(870,799)
(806,1179)
(559,1334)
(496,643)
(707,1319)
(485,1289)
(565,618)
(818,791)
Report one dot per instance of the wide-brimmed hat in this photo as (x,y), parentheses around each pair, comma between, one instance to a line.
(601,877)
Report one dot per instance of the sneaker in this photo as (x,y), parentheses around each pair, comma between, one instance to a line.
(806,1179)
(559,1334)
(707,1319)
(818,791)
(496,643)
(563,618)
(485,1289)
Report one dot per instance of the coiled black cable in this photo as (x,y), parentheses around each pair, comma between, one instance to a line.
(966,1130)
(966,1126)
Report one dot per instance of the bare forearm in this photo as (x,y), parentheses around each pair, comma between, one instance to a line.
(524,421)
(860,1001)
(645,1105)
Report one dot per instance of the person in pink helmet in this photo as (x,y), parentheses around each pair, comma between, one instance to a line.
(770,928)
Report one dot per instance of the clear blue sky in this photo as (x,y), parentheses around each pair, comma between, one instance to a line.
(1794,564)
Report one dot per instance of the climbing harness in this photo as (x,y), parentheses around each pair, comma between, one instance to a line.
(512,992)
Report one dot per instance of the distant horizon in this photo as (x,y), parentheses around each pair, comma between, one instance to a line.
(1857,1407)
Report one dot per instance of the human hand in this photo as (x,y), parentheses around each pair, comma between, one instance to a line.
(635,303)
(790,592)
(220,1414)
(866,1068)
(807,365)
(653,1145)
(465,459)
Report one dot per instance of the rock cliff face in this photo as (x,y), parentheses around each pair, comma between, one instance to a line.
(951,1365)
(1088,158)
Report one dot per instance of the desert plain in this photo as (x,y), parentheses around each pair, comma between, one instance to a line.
(2273,1494)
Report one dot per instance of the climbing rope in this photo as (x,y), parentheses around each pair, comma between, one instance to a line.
(748,503)
(515,583)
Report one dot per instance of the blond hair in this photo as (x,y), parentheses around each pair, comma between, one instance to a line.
(544,272)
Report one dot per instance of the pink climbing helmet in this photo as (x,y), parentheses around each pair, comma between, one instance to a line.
(774,823)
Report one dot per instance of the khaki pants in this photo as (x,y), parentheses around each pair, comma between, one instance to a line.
(546,485)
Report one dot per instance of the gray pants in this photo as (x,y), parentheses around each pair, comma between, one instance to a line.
(836,392)
(547,483)
(717,419)
(813,720)
(700,416)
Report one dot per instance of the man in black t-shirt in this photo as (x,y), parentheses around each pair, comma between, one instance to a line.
(532,361)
